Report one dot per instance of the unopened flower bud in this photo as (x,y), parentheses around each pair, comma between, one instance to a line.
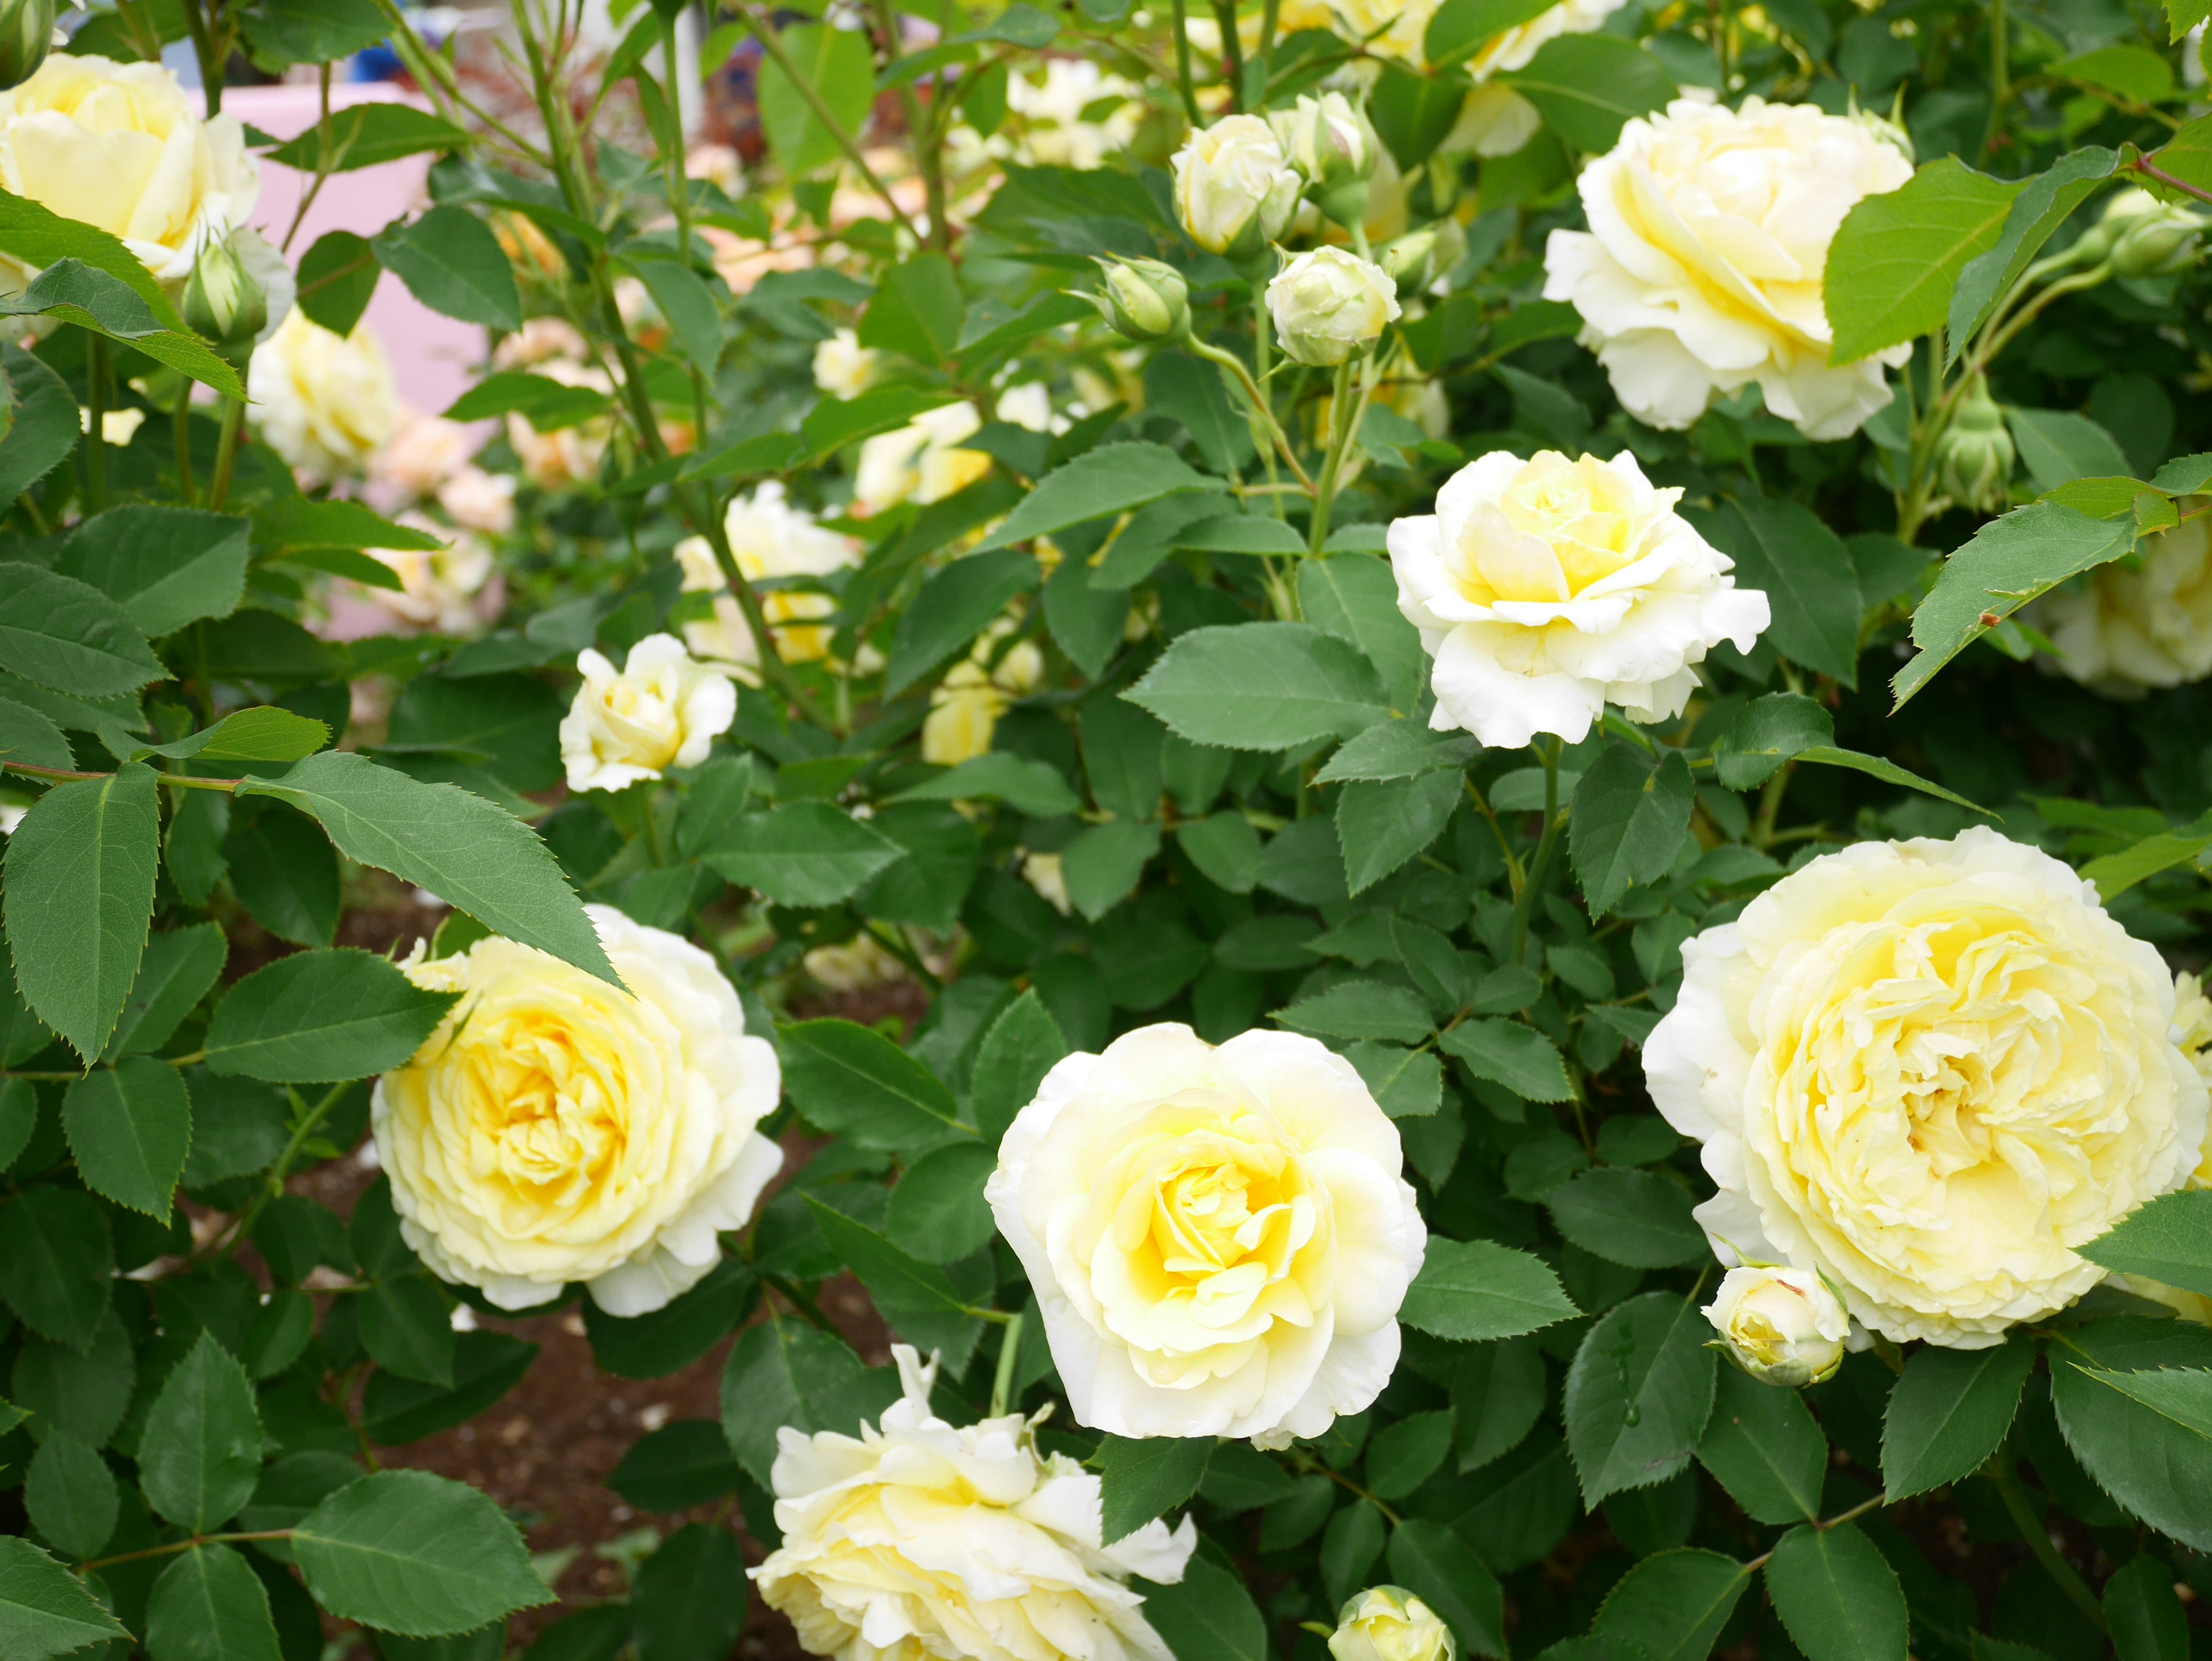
(1234,191)
(1328,304)
(1433,191)
(1974,458)
(1328,140)
(2155,239)
(26,34)
(1388,1623)
(1783,1326)
(1420,258)
(1144,299)
(223,302)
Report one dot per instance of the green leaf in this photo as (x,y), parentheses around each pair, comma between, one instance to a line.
(44,1611)
(1035,788)
(850,1081)
(39,237)
(688,1602)
(687,304)
(954,606)
(1628,822)
(1380,825)
(1224,848)
(71,1495)
(129,1127)
(166,566)
(406,1331)
(1672,1606)
(173,976)
(1110,479)
(804,853)
(1260,686)
(1638,1393)
(677,1467)
(1763,1447)
(1414,113)
(265,732)
(1102,866)
(672,1337)
(1837,1595)
(831,424)
(2182,1394)
(1402,1456)
(337,276)
(57,1262)
(1625,1216)
(2144,1614)
(1406,1084)
(407,1552)
(79,900)
(1897,257)
(1588,86)
(57,632)
(1207,1615)
(1435,1563)
(1397,749)
(2116,873)
(548,405)
(1355,598)
(367,135)
(1460,29)
(1880,767)
(1771,730)
(2009,562)
(486,1367)
(1180,387)
(477,857)
(914,1297)
(30,737)
(2035,213)
(94,299)
(209,1605)
(916,310)
(1948,1412)
(2158,1468)
(2059,446)
(783,1372)
(2169,1240)
(837,63)
(1020,1046)
(1506,1052)
(300,524)
(1361,1009)
(1146,1478)
(1811,586)
(452,263)
(2134,73)
(287,32)
(200,1454)
(1472,1291)
(322,1016)
(43,428)
(937,1211)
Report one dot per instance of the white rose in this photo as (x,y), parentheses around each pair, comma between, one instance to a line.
(1328,304)
(662,710)
(1268,1165)
(555,1129)
(769,539)
(2124,631)
(1388,1623)
(324,401)
(479,500)
(1234,190)
(842,366)
(1929,1071)
(1055,133)
(1327,138)
(121,146)
(1545,589)
(1783,1326)
(921,1541)
(422,454)
(449,589)
(1702,267)
(921,462)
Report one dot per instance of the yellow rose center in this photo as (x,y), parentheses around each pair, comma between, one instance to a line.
(1559,527)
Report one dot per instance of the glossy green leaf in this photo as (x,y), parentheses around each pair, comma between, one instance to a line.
(1475,1290)
(1837,1596)
(129,1129)
(1638,1393)
(319,1017)
(1144,1479)
(411,1553)
(1949,1413)
(200,1454)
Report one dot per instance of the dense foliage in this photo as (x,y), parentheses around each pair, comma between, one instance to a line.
(998,545)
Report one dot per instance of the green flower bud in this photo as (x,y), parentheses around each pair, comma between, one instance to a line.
(1328,140)
(1974,460)
(223,302)
(26,34)
(1144,300)
(2158,244)
(1388,1623)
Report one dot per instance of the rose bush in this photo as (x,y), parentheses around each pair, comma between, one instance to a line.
(1177,774)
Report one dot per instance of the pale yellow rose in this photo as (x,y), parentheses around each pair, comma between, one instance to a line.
(922,1541)
(1928,1071)
(556,1129)
(567,456)
(1783,1326)
(1328,304)
(965,706)
(768,538)
(450,590)
(123,147)
(2125,628)
(662,710)
(1701,269)
(324,402)
(1053,132)
(1235,191)
(1388,1623)
(1219,1238)
(479,500)
(842,366)
(1047,874)
(921,462)
(423,452)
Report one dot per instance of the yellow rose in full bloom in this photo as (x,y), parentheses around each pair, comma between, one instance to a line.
(324,402)
(122,146)
(555,1129)
(662,710)
(1928,1071)
(769,539)
(1219,1238)
(923,1541)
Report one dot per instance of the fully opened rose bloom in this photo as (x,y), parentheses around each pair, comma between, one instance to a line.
(1545,589)
(923,1541)
(1701,269)
(1783,1326)
(769,539)
(324,402)
(661,710)
(1219,1238)
(1328,304)
(2124,629)
(1929,1071)
(1235,190)
(921,462)
(555,1129)
(123,147)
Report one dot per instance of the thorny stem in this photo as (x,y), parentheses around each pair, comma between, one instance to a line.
(823,112)
(175,1546)
(225,450)
(325,159)
(1769,805)
(1183,66)
(1344,412)
(1250,387)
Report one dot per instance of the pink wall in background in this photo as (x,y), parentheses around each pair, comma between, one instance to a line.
(431,356)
